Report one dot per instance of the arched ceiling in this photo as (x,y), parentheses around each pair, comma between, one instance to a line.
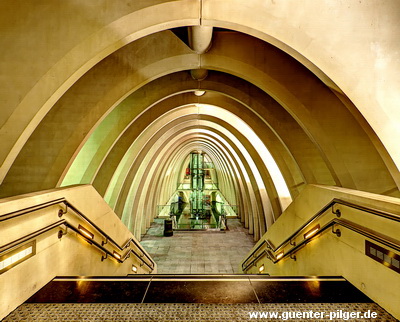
(109,100)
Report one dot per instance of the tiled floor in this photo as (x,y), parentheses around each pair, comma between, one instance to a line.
(190,298)
(193,298)
(198,252)
(183,311)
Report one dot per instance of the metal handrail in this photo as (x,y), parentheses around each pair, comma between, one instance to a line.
(64,222)
(28,210)
(25,238)
(107,238)
(131,251)
(344,223)
(93,242)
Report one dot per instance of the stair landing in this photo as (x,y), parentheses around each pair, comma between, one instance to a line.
(190,298)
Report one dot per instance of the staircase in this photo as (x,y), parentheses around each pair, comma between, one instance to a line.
(194,298)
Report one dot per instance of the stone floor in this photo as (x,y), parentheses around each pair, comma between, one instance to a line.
(198,252)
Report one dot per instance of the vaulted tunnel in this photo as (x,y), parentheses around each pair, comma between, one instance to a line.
(118,99)
(121,124)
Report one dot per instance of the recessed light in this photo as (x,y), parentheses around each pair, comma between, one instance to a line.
(311,232)
(279,256)
(116,255)
(85,232)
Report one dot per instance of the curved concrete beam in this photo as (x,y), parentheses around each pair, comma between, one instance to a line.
(87,38)
(139,174)
(328,136)
(301,36)
(191,112)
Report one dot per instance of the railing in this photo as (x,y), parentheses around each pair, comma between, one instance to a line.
(197,224)
(183,186)
(208,185)
(200,223)
(174,208)
(217,204)
(231,209)
(162,210)
(222,222)
(275,254)
(208,165)
(30,236)
(63,222)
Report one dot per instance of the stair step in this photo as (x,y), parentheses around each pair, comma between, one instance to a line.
(228,289)
(192,298)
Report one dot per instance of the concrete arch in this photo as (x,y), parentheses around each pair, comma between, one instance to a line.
(215,59)
(189,111)
(333,59)
(69,62)
(252,213)
(62,95)
(136,171)
(100,84)
(344,169)
(226,18)
(210,98)
(188,147)
(171,116)
(178,123)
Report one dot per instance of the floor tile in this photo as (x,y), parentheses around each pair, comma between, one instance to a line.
(308,292)
(200,292)
(217,252)
(91,292)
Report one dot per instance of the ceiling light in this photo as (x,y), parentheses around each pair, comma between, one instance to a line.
(199,93)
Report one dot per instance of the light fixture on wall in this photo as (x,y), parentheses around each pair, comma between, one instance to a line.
(134,269)
(16,256)
(261,268)
(116,255)
(311,232)
(279,256)
(85,232)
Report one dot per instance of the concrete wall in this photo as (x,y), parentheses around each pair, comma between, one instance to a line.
(329,255)
(68,256)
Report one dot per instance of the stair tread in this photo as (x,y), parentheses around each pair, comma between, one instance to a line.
(199,289)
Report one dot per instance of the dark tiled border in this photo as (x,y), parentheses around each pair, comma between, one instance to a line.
(199,289)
